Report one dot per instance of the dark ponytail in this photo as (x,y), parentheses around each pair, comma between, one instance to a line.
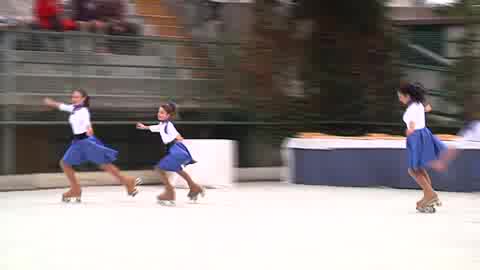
(415,90)
(84,94)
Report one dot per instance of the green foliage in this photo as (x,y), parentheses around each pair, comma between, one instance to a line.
(347,65)
(461,8)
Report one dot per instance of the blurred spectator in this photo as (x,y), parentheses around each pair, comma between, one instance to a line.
(84,10)
(113,14)
(84,13)
(49,16)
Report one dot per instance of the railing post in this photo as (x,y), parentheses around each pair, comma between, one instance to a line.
(175,66)
(9,131)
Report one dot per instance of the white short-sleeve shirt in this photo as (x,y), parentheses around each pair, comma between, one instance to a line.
(471,133)
(415,113)
(167,131)
(79,118)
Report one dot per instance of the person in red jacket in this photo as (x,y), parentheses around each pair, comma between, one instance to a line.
(49,16)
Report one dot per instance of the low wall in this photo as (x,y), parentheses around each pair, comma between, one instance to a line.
(216,167)
(344,162)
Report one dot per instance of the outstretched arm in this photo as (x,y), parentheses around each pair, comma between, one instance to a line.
(142,126)
(51,103)
(154,128)
(58,105)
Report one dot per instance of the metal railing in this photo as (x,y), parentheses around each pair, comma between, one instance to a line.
(128,77)
(134,72)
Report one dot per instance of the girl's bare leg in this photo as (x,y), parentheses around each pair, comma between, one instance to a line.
(128,181)
(429,180)
(195,189)
(75,189)
(425,174)
(422,181)
(188,178)
(169,193)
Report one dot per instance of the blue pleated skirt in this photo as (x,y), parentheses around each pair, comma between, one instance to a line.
(423,147)
(91,150)
(177,157)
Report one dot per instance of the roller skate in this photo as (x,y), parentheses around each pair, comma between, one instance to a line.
(167,198)
(429,206)
(72,196)
(427,209)
(435,201)
(194,192)
(133,191)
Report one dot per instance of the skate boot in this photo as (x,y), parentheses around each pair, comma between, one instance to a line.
(72,196)
(427,209)
(435,201)
(194,192)
(132,189)
(419,203)
(428,206)
(167,198)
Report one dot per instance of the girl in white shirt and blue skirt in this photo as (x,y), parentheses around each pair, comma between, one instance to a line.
(177,156)
(470,133)
(423,147)
(85,147)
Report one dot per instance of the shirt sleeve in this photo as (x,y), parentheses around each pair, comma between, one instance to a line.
(66,108)
(172,131)
(84,118)
(410,116)
(155,128)
(418,113)
(414,114)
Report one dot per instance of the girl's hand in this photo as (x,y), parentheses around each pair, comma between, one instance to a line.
(50,102)
(409,132)
(141,126)
(90,131)
(428,108)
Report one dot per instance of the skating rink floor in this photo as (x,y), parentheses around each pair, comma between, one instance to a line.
(251,226)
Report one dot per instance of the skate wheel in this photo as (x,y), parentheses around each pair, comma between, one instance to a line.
(427,210)
(133,193)
(194,196)
(71,200)
(166,203)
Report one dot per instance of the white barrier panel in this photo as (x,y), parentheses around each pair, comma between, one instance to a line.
(216,163)
(216,167)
